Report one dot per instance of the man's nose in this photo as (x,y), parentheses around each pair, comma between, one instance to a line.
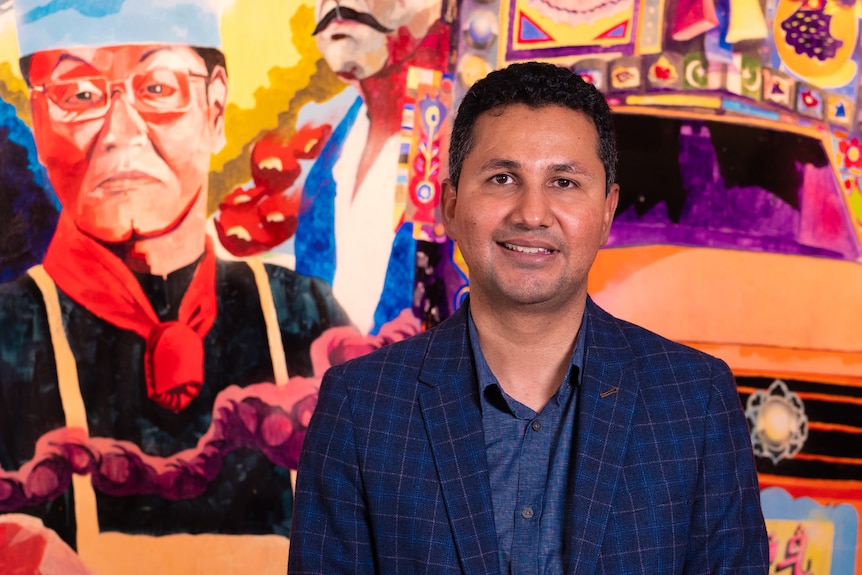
(533,206)
(123,124)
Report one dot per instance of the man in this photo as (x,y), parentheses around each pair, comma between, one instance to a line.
(131,329)
(346,235)
(531,432)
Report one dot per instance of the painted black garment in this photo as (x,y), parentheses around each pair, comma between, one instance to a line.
(250,495)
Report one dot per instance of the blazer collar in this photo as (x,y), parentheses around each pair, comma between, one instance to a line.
(606,401)
(453,420)
(450,408)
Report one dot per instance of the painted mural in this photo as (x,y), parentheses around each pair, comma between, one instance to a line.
(206,203)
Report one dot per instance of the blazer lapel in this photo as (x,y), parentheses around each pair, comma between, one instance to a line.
(453,420)
(605,405)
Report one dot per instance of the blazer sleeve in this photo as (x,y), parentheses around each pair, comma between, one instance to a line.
(330,531)
(728,532)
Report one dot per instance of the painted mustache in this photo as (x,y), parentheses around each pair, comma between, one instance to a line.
(339,13)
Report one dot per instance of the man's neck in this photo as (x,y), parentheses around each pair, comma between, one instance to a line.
(529,350)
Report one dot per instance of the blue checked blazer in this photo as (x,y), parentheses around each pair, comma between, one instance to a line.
(393,476)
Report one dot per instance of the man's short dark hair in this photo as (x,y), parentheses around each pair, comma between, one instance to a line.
(535,84)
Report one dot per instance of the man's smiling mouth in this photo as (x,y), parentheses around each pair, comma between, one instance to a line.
(526,249)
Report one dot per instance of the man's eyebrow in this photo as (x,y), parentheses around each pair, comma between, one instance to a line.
(574,168)
(571,168)
(499,164)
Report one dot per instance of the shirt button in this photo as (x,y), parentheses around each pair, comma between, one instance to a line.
(527,512)
(537,425)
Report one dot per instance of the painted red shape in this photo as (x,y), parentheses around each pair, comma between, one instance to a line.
(257,219)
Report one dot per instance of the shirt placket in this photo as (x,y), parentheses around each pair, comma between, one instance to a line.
(534,458)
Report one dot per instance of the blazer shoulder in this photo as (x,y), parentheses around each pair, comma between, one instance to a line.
(648,348)
(407,361)
(406,354)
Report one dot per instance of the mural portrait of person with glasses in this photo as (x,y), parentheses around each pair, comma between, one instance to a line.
(138,413)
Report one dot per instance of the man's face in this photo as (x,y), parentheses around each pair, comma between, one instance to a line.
(126,134)
(530,212)
(358,37)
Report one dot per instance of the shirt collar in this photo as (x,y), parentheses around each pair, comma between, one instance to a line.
(486,377)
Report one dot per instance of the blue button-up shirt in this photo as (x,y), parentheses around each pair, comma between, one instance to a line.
(529,459)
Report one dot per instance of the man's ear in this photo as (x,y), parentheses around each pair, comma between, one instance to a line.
(448,200)
(611,201)
(217,101)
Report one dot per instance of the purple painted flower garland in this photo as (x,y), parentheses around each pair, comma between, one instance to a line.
(270,419)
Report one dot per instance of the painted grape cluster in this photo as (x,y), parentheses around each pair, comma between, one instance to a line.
(807,31)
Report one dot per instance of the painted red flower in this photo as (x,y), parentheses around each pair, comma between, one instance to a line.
(852,150)
(256,219)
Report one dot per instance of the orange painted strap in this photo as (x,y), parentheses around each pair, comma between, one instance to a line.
(67,367)
(86,516)
(270,317)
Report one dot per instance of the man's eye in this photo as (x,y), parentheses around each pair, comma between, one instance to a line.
(566,183)
(501,179)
